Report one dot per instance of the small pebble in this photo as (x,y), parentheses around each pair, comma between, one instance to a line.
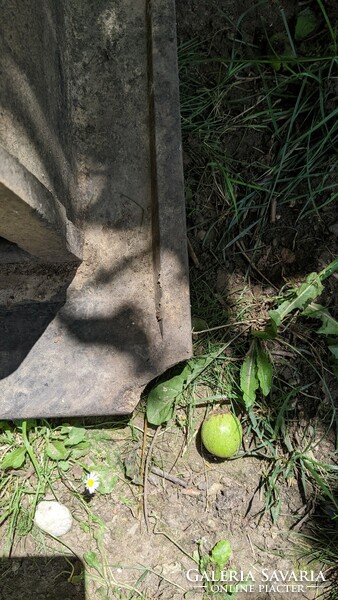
(53,517)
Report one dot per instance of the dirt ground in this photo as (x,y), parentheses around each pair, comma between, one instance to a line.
(209,500)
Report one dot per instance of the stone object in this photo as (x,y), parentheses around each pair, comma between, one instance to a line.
(90,109)
(32,218)
(53,517)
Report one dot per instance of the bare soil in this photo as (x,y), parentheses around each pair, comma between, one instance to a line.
(210,500)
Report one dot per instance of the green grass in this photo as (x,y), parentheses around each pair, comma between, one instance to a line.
(37,458)
(229,104)
(318,544)
(260,133)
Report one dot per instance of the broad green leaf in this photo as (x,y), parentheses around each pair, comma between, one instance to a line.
(330,325)
(334,350)
(221,553)
(56,450)
(306,24)
(182,378)
(91,559)
(309,290)
(162,399)
(248,379)
(14,459)
(193,369)
(75,436)
(65,429)
(329,270)
(80,450)
(279,313)
(264,370)
(275,63)
(317,311)
(64,465)
(107,483)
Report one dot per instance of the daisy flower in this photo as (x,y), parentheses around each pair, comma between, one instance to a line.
(92,482)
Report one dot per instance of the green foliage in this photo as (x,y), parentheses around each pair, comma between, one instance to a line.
(329,270)
(329,324)
(162,399)
(56,450)
(264,370)
(290,105)
(296,463)
(14,459)
(307,23)
(334,350)
(75,435)
(34,446)
(215,561)
(164,396)
(221,553)
(92,561)
(256,370)
(309,290)
(248,378)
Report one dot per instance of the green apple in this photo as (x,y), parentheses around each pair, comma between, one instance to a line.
(222,434)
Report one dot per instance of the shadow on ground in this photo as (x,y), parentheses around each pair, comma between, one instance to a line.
(41,578)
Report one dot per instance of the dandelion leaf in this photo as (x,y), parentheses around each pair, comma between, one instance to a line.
(249,379)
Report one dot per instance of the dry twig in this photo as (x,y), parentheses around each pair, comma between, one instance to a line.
(167,476)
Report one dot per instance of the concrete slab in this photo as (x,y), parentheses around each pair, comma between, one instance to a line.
(86,340)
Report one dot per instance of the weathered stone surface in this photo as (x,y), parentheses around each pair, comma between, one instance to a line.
(32,218)
(87,342)
(35,123)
